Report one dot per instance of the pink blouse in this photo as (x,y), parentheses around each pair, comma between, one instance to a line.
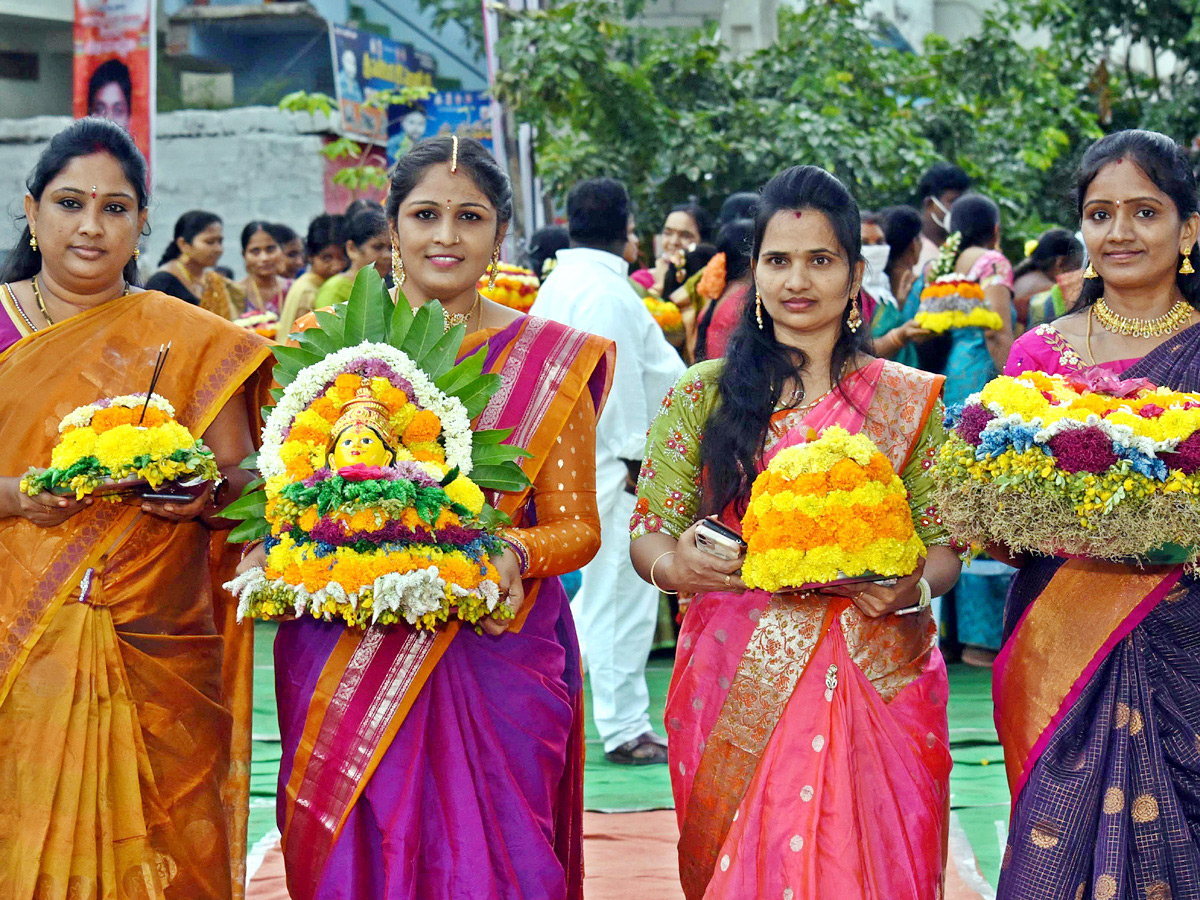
(1044,349)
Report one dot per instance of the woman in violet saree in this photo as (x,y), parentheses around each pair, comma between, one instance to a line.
(1098,686)
(449,764)
(807,730)
(124,682)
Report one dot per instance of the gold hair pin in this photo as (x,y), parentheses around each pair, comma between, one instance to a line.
(454,154)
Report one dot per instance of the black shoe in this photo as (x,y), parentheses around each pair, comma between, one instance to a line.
(646,750)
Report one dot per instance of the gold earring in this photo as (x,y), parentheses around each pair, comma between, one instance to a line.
(854,319)
(495,269)
(398,273)
(32,240)
(758,308)
(1186,268)
(136,253)
(1090,272)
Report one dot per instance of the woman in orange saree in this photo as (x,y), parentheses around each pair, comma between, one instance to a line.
(448,765)
(807,730)
(123,747)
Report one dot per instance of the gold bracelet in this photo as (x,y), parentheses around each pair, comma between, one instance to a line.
(655,563)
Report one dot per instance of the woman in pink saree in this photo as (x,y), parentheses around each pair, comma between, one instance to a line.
(807,731)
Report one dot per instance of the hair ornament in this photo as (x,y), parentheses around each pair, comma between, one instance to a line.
(453,153)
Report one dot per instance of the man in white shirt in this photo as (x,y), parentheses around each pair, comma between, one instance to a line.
(615,611)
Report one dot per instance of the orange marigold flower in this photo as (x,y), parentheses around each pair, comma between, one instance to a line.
(712,278)
(425,426)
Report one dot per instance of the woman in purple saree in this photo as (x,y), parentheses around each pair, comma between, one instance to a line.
(449,765)
(1097,687)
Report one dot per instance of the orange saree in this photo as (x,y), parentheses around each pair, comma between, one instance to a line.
(124,685)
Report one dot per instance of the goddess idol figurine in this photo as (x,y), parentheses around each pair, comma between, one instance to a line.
(361,435)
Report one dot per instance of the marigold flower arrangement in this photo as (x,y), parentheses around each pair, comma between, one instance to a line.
(516,287)
(372,503)
(665,313)
(825,510)
(951,301)
(1084,465)
(110,447)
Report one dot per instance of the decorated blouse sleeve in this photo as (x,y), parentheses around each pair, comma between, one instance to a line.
(669,483)
(567,533)
(1042,349)
(919,481)
(994,268)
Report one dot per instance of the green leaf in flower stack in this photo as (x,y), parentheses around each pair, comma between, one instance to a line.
(249,530)
(427,329)
(250,463)
(505,477)
(462,374)
(317,341)
(250,504)
(332,326)
(401,320)
(476,395)
(491,436)
(290,360)
(366,310)
(440,358)
(495,454)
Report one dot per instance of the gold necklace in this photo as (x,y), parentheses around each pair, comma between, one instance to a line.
(1168,323)
(41,305)
(1091,355)
(452,319)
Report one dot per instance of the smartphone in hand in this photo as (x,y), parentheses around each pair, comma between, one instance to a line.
(718,540)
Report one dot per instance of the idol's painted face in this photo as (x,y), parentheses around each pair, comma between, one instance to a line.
(1132,229)
(359,445)
(446,229)
(87,222)
(804,275)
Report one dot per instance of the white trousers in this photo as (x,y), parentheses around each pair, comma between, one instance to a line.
(616,614)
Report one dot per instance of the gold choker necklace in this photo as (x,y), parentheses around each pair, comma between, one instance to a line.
(452,319)
(1168,323)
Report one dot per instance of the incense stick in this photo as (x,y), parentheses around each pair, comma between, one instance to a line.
(159,364)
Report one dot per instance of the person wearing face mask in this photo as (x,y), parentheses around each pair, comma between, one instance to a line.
(890,272)
(616,612)
(186,269)
(938,189)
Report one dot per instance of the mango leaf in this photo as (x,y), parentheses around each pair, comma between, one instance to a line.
(252,504)
(401,320)
(315,340)
(366,318)
(276,395)
(500,478)
(250,463)
(476,395)
(425,332)
(293,359)
(462,374)
(249,530)
(256,484)
(440,358)
(495,454)
(492,518)
(332,326)
(490,436)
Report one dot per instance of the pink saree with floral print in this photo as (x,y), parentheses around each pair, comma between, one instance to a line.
(808,742)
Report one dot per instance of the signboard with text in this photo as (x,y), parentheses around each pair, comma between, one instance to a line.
(114,67)
(365,64)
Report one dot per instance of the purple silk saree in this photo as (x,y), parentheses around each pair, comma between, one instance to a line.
(1103,746)
(447,766)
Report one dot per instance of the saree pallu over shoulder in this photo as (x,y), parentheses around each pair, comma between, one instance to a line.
(120,703)
(745,680)
(370,680)
(107,351)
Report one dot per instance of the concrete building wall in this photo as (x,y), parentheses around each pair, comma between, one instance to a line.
(50,39)
(243,164)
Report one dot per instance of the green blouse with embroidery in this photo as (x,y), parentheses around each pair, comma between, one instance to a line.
(669,484)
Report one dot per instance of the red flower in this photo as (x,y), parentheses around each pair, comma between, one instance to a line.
(1083,450)
(1151,411)
(974,420)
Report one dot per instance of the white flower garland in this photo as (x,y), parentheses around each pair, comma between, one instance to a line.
(410,595)
(300,394)
(82,416)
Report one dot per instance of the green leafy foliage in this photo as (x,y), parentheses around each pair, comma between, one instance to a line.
(674,116)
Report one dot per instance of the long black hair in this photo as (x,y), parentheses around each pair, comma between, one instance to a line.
(543,245)
(367,222)
(1053,245)
(901,226)
(1166,164)
(735,240)
(188,226)
(473,159)
(756,364)
(111,71)
(82,137)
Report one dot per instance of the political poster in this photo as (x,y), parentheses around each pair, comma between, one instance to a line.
(465,113)
(114,65)
(365,64)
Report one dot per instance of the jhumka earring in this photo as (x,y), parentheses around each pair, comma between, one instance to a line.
(495,270)
(854,318)
(1186,268)
(1090,272)
(32,239)
(758,308)
(398,273)
(137,252)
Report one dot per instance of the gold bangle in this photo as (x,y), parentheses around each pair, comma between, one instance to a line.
(655,563)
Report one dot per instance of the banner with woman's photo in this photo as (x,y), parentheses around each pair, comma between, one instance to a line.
(114,69)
